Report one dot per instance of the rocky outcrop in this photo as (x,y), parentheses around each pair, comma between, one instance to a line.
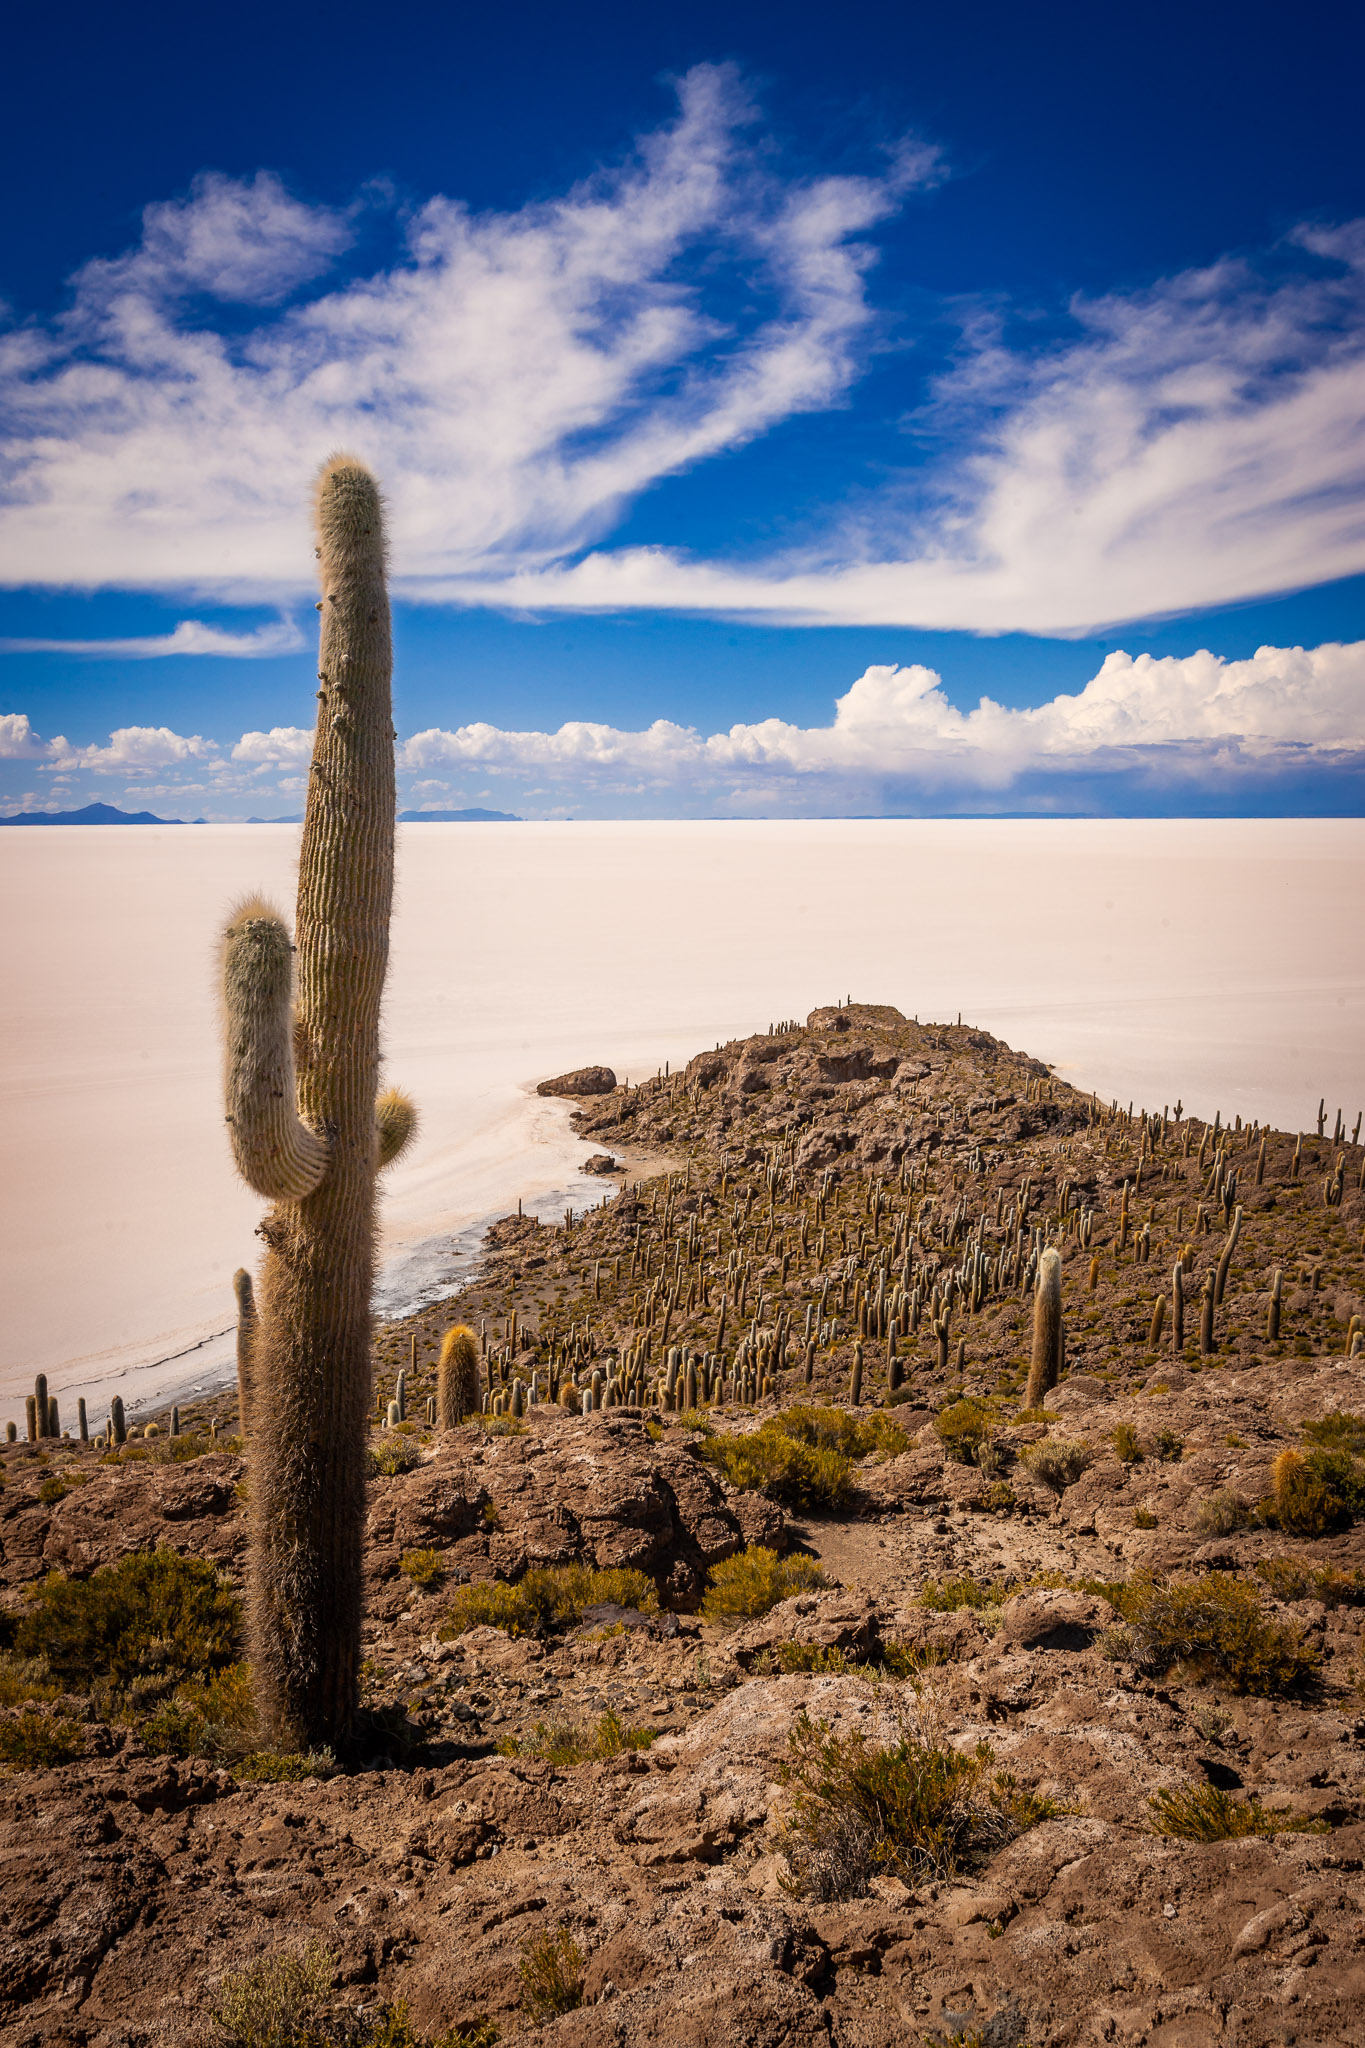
(582,1081)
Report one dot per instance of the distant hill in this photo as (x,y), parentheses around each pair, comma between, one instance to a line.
(458,818)
(91,814)
(295,819)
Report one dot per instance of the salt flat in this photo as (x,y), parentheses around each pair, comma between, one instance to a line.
(1218,960)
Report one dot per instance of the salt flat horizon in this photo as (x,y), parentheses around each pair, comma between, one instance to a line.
(1215,960)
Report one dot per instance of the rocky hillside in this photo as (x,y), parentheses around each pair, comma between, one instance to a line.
(740,1709)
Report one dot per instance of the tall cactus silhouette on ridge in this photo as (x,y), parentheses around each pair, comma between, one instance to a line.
(309,1131)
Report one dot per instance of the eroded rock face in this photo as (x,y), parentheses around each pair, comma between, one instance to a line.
(593,1488)
(582,1081)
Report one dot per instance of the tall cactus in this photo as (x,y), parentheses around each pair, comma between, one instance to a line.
(1047,1330)
(308,1131)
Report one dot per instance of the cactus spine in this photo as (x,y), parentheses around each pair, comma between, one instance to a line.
(308,1132)
(1047,1329)
(457,1377)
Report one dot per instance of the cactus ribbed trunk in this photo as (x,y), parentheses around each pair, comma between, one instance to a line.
(1047,1330)
(309,1393)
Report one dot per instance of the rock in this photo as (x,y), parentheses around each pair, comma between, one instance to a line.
(600,1162)
(583,1081)
(1054,1620)
(824,1621)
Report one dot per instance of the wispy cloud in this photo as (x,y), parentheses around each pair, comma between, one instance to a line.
(516,378)
(191,636)
(1180,725)
(522,378)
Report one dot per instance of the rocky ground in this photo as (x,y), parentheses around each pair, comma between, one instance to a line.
(895,1181)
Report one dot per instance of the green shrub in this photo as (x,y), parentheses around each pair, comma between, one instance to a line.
(1343,1475)
(1127,1444)
(551,1975)
(564,1743)
(1056,1462)
(1143,1518)
(767,1460)
(284,1766)
(426,1568)
(945,1596)
(205,1718)
(1339,1431)
(393,1454)
(1290,1579)
(698,1419)
(276,2002)
(755,1580)
(964,1428)
(1169,1447)
(915,1808)
(23,1679)
(1214,1626)
(1222,1513)
(1206,1814)
(834,1429)
(1303,1501)
(151,1612)
(549,1598)
(34,1741)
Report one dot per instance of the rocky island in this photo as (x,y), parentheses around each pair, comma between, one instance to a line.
(900,1580)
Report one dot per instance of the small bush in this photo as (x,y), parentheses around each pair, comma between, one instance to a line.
(1169,1447)
(564,1743)
(698,1419)
(1339,1431)
(23,1679)
(34,1741)
(1127,1444)
(1057,1463)
(1343,1476)
(756,1580)
(1206,1814)
(1216,1627)
(1222,1513)
(806,1476)
(1143,1518)
(1290,1579)
(284,1767)
(945,1596)
(997,1498)
(834,1429)
(275,2003)
(1303,1502)
(547,1599)
(151,1612)
(914,1808)
(551,1975)
(426,1568)
(964,1428)
(393,1454)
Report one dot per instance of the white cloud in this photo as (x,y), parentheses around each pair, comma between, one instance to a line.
(515,378)
(895,738)
(280,746)
(18,740)
(896,725)
(191,636)
(132,750)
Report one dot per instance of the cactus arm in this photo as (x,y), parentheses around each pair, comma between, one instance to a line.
(395,1117)
(274,1150)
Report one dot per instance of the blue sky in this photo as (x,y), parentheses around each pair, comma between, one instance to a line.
(914,410)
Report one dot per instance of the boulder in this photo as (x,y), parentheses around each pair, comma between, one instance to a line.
(583,1081)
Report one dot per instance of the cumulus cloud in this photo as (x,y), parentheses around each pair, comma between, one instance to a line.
(18,740)
(1175,715)
(515,377)
(1175,725)
(191,636)
(281,746)
(132,750)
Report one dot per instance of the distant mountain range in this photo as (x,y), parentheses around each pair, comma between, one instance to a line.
(458,818)
(105,814)
(91,814)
